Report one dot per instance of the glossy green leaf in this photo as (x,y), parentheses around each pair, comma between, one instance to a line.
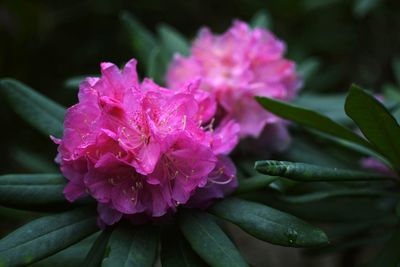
(375,122)
(352,192)
(132,246)
(389,256)
(173,41)
(269,224)
(176,251)
(311,119)
(142,40)
(45,236)
(307,172)
(39,111)
(208,240)
(330,105)
(32,191)
(262,20)
(254,183)
(96,253)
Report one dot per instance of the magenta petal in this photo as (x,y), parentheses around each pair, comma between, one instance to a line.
(73,192)
(108,215)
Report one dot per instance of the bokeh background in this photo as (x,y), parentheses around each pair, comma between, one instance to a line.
(44,43)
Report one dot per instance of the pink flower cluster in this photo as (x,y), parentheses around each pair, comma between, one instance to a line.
(141,150)
(235,67)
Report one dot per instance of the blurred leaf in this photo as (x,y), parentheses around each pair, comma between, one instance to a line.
(45,236)
(39,111)
(310,173)
(254,183)
(262,20)
(155,70)
(96,253)
(311,119)
(363,7)
(392,92)
(396,68)
(208,240)
(269,224)
(132,246)
(330,105)
(173,41)
(352,192)
(375,122)
(32,191)
(176,251)
(32,162)
(142,40)
(389,256)
(74,82)
(308,68)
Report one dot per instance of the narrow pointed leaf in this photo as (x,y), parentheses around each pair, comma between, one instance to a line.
(142,40)
(173,41)
(269,224)
(176,251)
(96,253)
(261,20)
(254,183)
(132,246)
(375,122)
(39,111)
(46,236)
(345,192)
(209,241)
(309,173)
(311,119)
(155,69)
(32,191)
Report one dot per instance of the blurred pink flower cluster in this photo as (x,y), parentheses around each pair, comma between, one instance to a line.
(141,150)
(236,66)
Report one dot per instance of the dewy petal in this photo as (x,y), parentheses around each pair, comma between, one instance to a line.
(140,150)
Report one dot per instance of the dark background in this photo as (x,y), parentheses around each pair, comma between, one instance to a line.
(43,43)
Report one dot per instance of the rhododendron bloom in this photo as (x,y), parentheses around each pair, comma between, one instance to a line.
(140,150)
(235,67)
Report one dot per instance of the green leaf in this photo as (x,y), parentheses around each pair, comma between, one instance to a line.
(330,105)
(132,246)
(72,256)
(310,173)
(45,236)
(39,111)
(142,40)
(311,119)
(32,191)
(262,20)
(176,251)
(389,256)
(208,240)
(352,192)
(269,224)
(308,68)
(254,183)
(363,7)
(155,69)
(396,69)
(375,122)
(96,253)
(173,41)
